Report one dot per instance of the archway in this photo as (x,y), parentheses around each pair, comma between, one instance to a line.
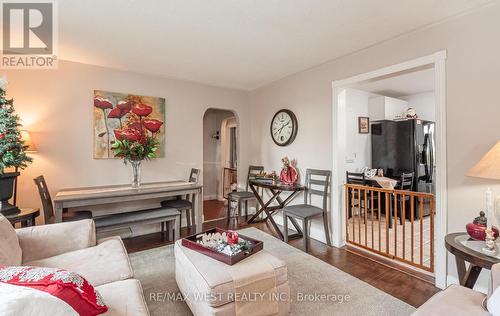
(220,160)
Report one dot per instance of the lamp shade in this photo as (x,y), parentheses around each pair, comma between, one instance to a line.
(489,166)
(26,137)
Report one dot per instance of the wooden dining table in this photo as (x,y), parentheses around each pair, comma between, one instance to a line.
(383,182)
(275,190)
(113,199)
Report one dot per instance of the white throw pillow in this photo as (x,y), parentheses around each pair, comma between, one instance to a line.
(10,251)
(18,300)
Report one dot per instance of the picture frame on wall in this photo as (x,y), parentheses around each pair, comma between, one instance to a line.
(364,125)
(116,113)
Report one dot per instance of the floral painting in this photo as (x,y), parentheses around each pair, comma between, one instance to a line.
(120,116)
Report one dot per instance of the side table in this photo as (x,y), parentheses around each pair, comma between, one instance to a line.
(477,260)
(26,217)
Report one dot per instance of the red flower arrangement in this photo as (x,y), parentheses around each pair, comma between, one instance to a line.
(133,143)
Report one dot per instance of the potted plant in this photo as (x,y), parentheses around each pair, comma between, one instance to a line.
(12,151)
(136,140)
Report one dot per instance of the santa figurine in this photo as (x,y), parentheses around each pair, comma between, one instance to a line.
(289,174)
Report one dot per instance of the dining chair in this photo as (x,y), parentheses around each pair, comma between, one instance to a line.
(185,204)
(405,184)
(243,196)
(317,183)
(358,179)
(48,208)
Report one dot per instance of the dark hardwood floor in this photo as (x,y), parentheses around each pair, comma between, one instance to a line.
(405,287)
(214,209)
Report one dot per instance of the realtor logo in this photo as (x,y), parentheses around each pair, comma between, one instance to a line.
(28,34)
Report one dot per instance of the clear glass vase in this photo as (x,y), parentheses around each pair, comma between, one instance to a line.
(136,173)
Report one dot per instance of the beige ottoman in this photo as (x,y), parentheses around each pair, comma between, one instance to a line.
(208,287)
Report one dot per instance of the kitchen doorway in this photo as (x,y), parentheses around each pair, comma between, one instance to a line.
(220,161)
(375,216)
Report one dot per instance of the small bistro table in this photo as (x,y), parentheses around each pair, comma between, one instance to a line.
(26,217)
(477,260)
(276,190)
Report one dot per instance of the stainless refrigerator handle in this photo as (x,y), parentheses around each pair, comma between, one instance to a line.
(429,157)
(426,157)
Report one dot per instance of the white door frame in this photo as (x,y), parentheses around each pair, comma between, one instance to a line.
(438,61)
(224,159)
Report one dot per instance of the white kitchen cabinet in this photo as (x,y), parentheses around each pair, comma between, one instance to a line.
(386,108)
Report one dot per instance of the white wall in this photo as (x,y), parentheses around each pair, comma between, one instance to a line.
(424,105)
(472,79)
(212,169)
(386,108)
(57,107)
(358,146)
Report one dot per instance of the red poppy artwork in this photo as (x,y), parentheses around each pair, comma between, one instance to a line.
(121,116)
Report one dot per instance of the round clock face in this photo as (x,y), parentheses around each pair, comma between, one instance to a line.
(284,127)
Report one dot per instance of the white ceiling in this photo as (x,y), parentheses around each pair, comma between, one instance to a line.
(241,44)
(402,85)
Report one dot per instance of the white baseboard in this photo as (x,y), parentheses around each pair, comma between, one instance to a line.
(210,197)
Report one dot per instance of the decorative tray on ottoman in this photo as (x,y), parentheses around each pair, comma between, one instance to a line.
(244,248)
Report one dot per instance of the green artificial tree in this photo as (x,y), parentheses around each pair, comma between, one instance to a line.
(12,151)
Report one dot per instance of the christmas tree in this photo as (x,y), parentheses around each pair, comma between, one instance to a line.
(12,149)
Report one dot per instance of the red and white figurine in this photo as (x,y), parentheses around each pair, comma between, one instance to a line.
(289,174)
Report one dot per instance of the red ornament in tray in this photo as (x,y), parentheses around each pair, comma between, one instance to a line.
(253,245)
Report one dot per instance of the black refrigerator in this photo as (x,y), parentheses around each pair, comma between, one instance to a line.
(405,146)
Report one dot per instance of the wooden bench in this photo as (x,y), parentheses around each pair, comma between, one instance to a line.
(169,218)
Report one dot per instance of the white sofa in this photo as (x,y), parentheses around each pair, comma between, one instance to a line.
(73,246)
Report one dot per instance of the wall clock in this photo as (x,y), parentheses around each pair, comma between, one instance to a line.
(284,127)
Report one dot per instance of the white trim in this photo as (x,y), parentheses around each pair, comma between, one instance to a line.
(438,61)
(440,255)
(238,153)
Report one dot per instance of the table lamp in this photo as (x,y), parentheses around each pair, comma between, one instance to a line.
(489,168)
(30,148)
(28,142)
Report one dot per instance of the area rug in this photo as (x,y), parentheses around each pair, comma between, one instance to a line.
(317,288)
